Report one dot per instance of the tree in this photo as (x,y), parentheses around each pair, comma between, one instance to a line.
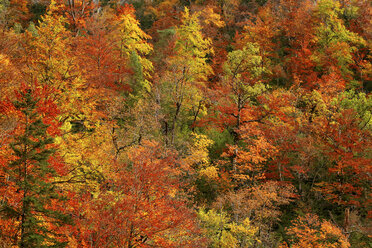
(335,43)
(243,69)
(132,46)
(34,206)
(180,86)
(78,12)
(253,149)
(263,30)
(141,204)
(261,205)
(347,141)
(298,42)
(225,233)
(48,59)
(309,231)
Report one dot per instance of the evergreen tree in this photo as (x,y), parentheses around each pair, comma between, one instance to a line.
(32,175)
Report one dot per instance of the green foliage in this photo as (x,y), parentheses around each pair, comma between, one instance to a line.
(331,28)
(17,28)
(246,60)
(243,70)
(33,175)
(139,85)
(32,29)
(37,10)
(333,37)
(220,140)
(360,102)
(360,240)
(4,4)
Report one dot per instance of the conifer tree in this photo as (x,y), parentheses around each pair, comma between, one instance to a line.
(31,175)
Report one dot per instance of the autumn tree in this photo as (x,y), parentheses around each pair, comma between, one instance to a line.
(309,231)
(48,59)
(298,44)
(142,204)
(166,14)
(243,69)
(346,136)
(132,45)
(206,179)
(180,86)
(260,205)
(224,232)
(15,13)
(78,12)
(335,43)
(262,30)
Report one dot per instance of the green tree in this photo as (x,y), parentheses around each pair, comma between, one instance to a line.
(31,174)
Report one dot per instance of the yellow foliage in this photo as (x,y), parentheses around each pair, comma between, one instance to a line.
(4,61)
(131,38)
(211,172)
(212,17)
(8,76)
(192,48)
(224,233)
(199,154)
(90,154)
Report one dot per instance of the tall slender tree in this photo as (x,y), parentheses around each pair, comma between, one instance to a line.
(30,173)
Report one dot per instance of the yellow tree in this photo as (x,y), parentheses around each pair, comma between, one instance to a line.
(132,70)
(222,232)
(179,91)
(131,43)
(50,60)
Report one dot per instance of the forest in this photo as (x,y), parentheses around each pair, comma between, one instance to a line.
(185,123)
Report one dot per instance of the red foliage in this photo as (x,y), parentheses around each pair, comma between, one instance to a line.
(141,205)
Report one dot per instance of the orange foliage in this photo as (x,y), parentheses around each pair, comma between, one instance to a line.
(309,231)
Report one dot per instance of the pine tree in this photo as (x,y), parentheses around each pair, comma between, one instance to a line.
(31,175)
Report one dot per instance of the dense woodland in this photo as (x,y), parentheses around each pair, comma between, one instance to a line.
(174,123)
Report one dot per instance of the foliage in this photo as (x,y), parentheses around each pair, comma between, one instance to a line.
(31,202)
(229,123)
(309,231)
(225,233)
